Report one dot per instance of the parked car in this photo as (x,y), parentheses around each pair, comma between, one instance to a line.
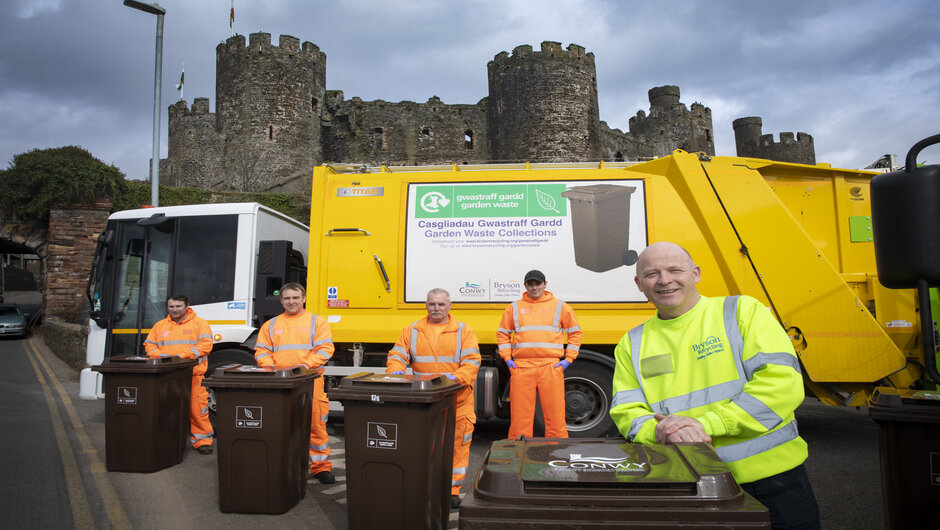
(12,321)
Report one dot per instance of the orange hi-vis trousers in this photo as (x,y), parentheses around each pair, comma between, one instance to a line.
(541,375)
(463,435)
(319,438)
(199,424)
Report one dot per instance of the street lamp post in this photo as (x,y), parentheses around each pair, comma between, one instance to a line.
(154,9)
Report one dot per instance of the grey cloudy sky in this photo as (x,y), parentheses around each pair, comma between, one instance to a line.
(861,76)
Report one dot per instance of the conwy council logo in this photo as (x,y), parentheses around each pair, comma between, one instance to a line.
(598,463)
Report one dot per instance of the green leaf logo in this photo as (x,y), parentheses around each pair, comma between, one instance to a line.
(545,200)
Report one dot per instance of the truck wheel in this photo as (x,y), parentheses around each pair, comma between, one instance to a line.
(587,401)
(221,358)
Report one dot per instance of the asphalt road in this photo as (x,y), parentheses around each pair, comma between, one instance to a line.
(53,473)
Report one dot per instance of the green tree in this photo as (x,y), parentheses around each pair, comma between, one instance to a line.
(41,178)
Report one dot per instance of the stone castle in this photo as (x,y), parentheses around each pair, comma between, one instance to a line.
(275,120)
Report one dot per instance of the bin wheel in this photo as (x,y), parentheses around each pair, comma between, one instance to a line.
(630,257)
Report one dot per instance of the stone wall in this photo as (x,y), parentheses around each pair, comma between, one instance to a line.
(64,339)
(405,133)
(73,234)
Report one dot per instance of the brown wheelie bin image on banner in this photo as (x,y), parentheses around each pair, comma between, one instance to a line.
(600,226)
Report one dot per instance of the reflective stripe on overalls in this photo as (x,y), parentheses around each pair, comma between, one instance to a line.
(311,344)
(415,358)
(555,327)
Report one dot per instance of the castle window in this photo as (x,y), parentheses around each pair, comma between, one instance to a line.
(315,103)
(425,137)
(468,139)
(381,142)
(708,135)
(270,132)
(618,157)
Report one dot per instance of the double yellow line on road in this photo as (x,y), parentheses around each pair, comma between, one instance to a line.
(77,498)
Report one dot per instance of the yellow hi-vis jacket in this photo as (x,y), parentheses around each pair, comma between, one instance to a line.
(728,364)
(189,339)
(535,329)
(302,339)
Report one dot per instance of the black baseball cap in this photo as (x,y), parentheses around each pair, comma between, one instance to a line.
(534,275)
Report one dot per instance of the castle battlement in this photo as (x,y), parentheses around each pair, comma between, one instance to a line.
(550,50)
(750,141)
(181,109)
(260,43)
(275,119)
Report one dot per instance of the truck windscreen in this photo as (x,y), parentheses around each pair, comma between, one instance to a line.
(194,256)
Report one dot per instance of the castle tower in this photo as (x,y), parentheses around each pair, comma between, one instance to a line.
(195,147)
(750,141)
(542,106)
(670,125)
(268,104)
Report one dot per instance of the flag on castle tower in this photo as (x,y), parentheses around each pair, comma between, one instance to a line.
(179,86)
(231,16)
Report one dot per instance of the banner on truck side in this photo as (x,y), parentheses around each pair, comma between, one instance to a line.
(477,240)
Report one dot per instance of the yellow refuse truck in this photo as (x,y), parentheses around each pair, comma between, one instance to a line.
(796,237)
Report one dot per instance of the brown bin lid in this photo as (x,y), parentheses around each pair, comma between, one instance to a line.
(917,406)
(250,376)
(598,192)
(379,388)
(141,364)
(604,472)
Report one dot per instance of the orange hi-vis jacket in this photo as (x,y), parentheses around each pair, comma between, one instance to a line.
(450,348)
(189,339)
(301,339)
(535,329)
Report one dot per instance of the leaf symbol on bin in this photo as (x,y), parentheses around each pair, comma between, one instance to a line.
(546,200)
(127,393)
(382,432)
(249,415)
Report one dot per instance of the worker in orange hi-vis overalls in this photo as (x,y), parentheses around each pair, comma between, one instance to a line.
(183,334)
(531,339)
(439,344)
(299,338)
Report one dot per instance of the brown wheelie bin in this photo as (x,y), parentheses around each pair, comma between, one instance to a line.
(263,434)
(146,411)
(546,483)
(399,449)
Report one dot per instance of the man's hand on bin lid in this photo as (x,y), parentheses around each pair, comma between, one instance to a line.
(675,428)
(564,364)
(397,372)
(510,363)
(452,377)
